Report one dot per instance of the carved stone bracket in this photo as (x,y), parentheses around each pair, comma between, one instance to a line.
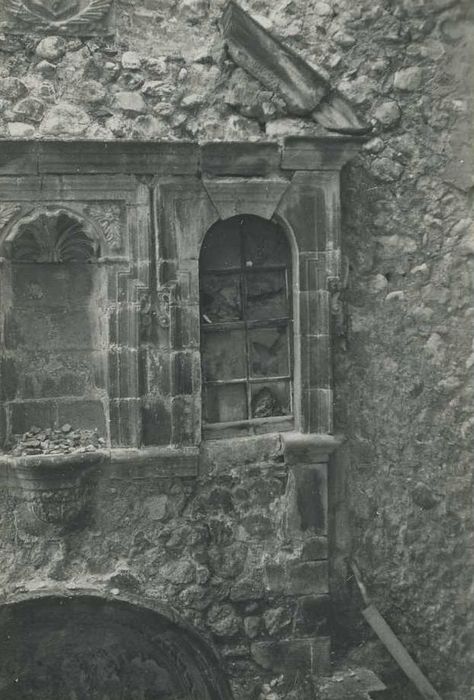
(52,491)
(166,298)
(71,17)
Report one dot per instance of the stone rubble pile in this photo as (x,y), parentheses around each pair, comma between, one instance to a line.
(63,440)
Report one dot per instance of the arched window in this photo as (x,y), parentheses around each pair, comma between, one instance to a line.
(246,326)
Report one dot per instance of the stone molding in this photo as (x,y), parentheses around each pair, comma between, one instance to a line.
(305,89)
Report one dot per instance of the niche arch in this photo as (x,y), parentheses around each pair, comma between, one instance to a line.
(52,234)
(98,646)
(54,356)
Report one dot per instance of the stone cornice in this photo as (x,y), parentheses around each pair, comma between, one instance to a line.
(240,159)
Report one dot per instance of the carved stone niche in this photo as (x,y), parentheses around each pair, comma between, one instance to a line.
(67,17)
(51,492)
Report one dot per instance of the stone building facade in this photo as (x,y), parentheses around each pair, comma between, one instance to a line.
(236,305)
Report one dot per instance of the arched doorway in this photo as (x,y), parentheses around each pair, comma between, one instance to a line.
(87,647)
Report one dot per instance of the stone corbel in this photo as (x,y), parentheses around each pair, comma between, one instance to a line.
(52,492)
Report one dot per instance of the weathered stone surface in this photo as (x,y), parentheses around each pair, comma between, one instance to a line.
(408,79)
(403,371)
(130,102)
(12,88)
(386,169)
(65,119)
(304,654)
(51,48)
(30,109)
(388,113)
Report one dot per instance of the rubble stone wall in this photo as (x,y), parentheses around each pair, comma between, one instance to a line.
(402,486)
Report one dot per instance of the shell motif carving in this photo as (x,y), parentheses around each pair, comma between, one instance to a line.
(108,219)
(7,213)
(60,16)
(52,237)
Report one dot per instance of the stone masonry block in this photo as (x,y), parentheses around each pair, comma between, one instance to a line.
(307,655)
(297,577)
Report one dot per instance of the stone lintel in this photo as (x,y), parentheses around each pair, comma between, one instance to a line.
(275,65)
(308,448)
(215,159)
(240,159)
(98,157)
(319,153)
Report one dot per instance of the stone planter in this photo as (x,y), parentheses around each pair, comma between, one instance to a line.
(51,490)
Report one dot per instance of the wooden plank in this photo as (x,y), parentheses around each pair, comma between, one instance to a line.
(399,653)
(392,643)
(240,159)
(129,157)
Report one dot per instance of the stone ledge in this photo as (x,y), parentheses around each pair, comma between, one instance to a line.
(148,461)
(319,153)
(308,448)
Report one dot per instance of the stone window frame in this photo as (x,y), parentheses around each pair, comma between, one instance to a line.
(299,189)
(171,193)
(249,381)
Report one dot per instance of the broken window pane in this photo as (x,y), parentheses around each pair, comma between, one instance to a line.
(269,352)
(270,399)
(224,355)
(222,247)
(267,295)
(265,244)
(225,403)
(220,298)
(245,268)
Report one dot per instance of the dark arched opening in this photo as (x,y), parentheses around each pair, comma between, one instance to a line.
(91,648)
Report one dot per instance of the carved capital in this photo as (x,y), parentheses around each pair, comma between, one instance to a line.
(107,218)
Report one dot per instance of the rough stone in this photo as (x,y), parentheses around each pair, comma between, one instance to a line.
(130,102)
(29,109)
(277,620)
(386,169)
(388,113)
(46,69)
(51,48)
(65,119)
(20,129)
(12,88)
(92,92)
(131,61)
(408,79)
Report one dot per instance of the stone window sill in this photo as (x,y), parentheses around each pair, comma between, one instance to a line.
(279,447)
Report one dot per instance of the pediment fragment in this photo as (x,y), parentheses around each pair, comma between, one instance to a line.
(305,90)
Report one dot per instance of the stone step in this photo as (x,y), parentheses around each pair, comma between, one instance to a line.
(351,684)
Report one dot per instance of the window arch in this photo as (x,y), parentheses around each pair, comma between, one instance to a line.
(246,327)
